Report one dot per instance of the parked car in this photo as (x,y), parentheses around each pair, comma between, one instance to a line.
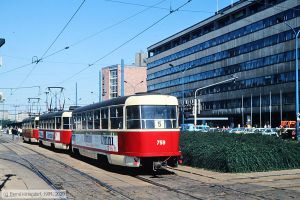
(237,130)
(288,133)
(187,127)
(249,130)
(191,127)
(270,131)
(202,128)
(259,130)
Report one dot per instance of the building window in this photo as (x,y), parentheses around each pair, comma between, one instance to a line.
(113,80)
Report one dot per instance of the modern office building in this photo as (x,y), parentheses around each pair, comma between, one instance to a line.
(111,83)
(253,40)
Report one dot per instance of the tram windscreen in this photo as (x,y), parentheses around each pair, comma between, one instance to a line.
(151,117)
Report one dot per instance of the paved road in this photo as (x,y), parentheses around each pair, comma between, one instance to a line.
(188,183)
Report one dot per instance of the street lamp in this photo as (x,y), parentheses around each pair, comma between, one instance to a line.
(195,99)
(16,111)
(297,77)
(183,88)
(134,86)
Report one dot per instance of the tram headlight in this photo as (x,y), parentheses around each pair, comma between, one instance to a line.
(57,136)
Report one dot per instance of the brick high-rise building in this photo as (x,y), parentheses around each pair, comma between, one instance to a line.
(111,81)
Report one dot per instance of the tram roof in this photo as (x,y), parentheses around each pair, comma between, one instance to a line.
(53,114)
(112,102)
(30,119)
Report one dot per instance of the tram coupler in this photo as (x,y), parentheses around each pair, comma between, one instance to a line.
(157,165)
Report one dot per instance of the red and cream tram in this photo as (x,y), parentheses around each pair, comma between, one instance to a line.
(55,129)
(30,129)
(133,131)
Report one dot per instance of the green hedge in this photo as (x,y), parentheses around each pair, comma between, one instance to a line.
(238,152)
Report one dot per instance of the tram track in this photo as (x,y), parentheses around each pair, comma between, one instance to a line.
(232,179)
(186,186)
(30,167)
(161,187)
(109,187)
(59,185)
(182,186)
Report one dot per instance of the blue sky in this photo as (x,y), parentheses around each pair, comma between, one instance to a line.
(29,28)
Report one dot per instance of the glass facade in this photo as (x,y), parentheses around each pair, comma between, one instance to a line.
(259,25)
(260,53)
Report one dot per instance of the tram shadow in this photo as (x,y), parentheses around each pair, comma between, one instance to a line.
(131,171)
(56,150)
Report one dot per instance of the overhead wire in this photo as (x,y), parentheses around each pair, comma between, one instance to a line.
(42,57)
(161,8)
(89,36)
(14,69)
(106,28)
(126,42)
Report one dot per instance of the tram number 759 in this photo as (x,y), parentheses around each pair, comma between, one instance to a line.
(161,142)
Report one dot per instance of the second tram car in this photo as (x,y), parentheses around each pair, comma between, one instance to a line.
(30,129)
(55,129)
(132,131)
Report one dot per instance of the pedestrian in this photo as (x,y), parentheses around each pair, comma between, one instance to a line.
(14,132)
(19,133)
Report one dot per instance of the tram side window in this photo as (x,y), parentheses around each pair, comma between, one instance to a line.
(32,125)
(58,123)
(116,117)
(66,122)
(133,117)
(52,121)
(78,122)
(90,119)
(97,119)
(83,120)
(104,118)
(36,124)
(74,121)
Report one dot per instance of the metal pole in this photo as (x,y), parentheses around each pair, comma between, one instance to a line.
(182,93)
(251,111)
(297,88)
(260,110)
(76,100)
(122,77)
(270,109)
(100,86)
(280,105)
(195,98)
(242,110)
(183,88)
(195,110)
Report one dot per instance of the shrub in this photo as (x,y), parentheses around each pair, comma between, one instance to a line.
(238,152)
